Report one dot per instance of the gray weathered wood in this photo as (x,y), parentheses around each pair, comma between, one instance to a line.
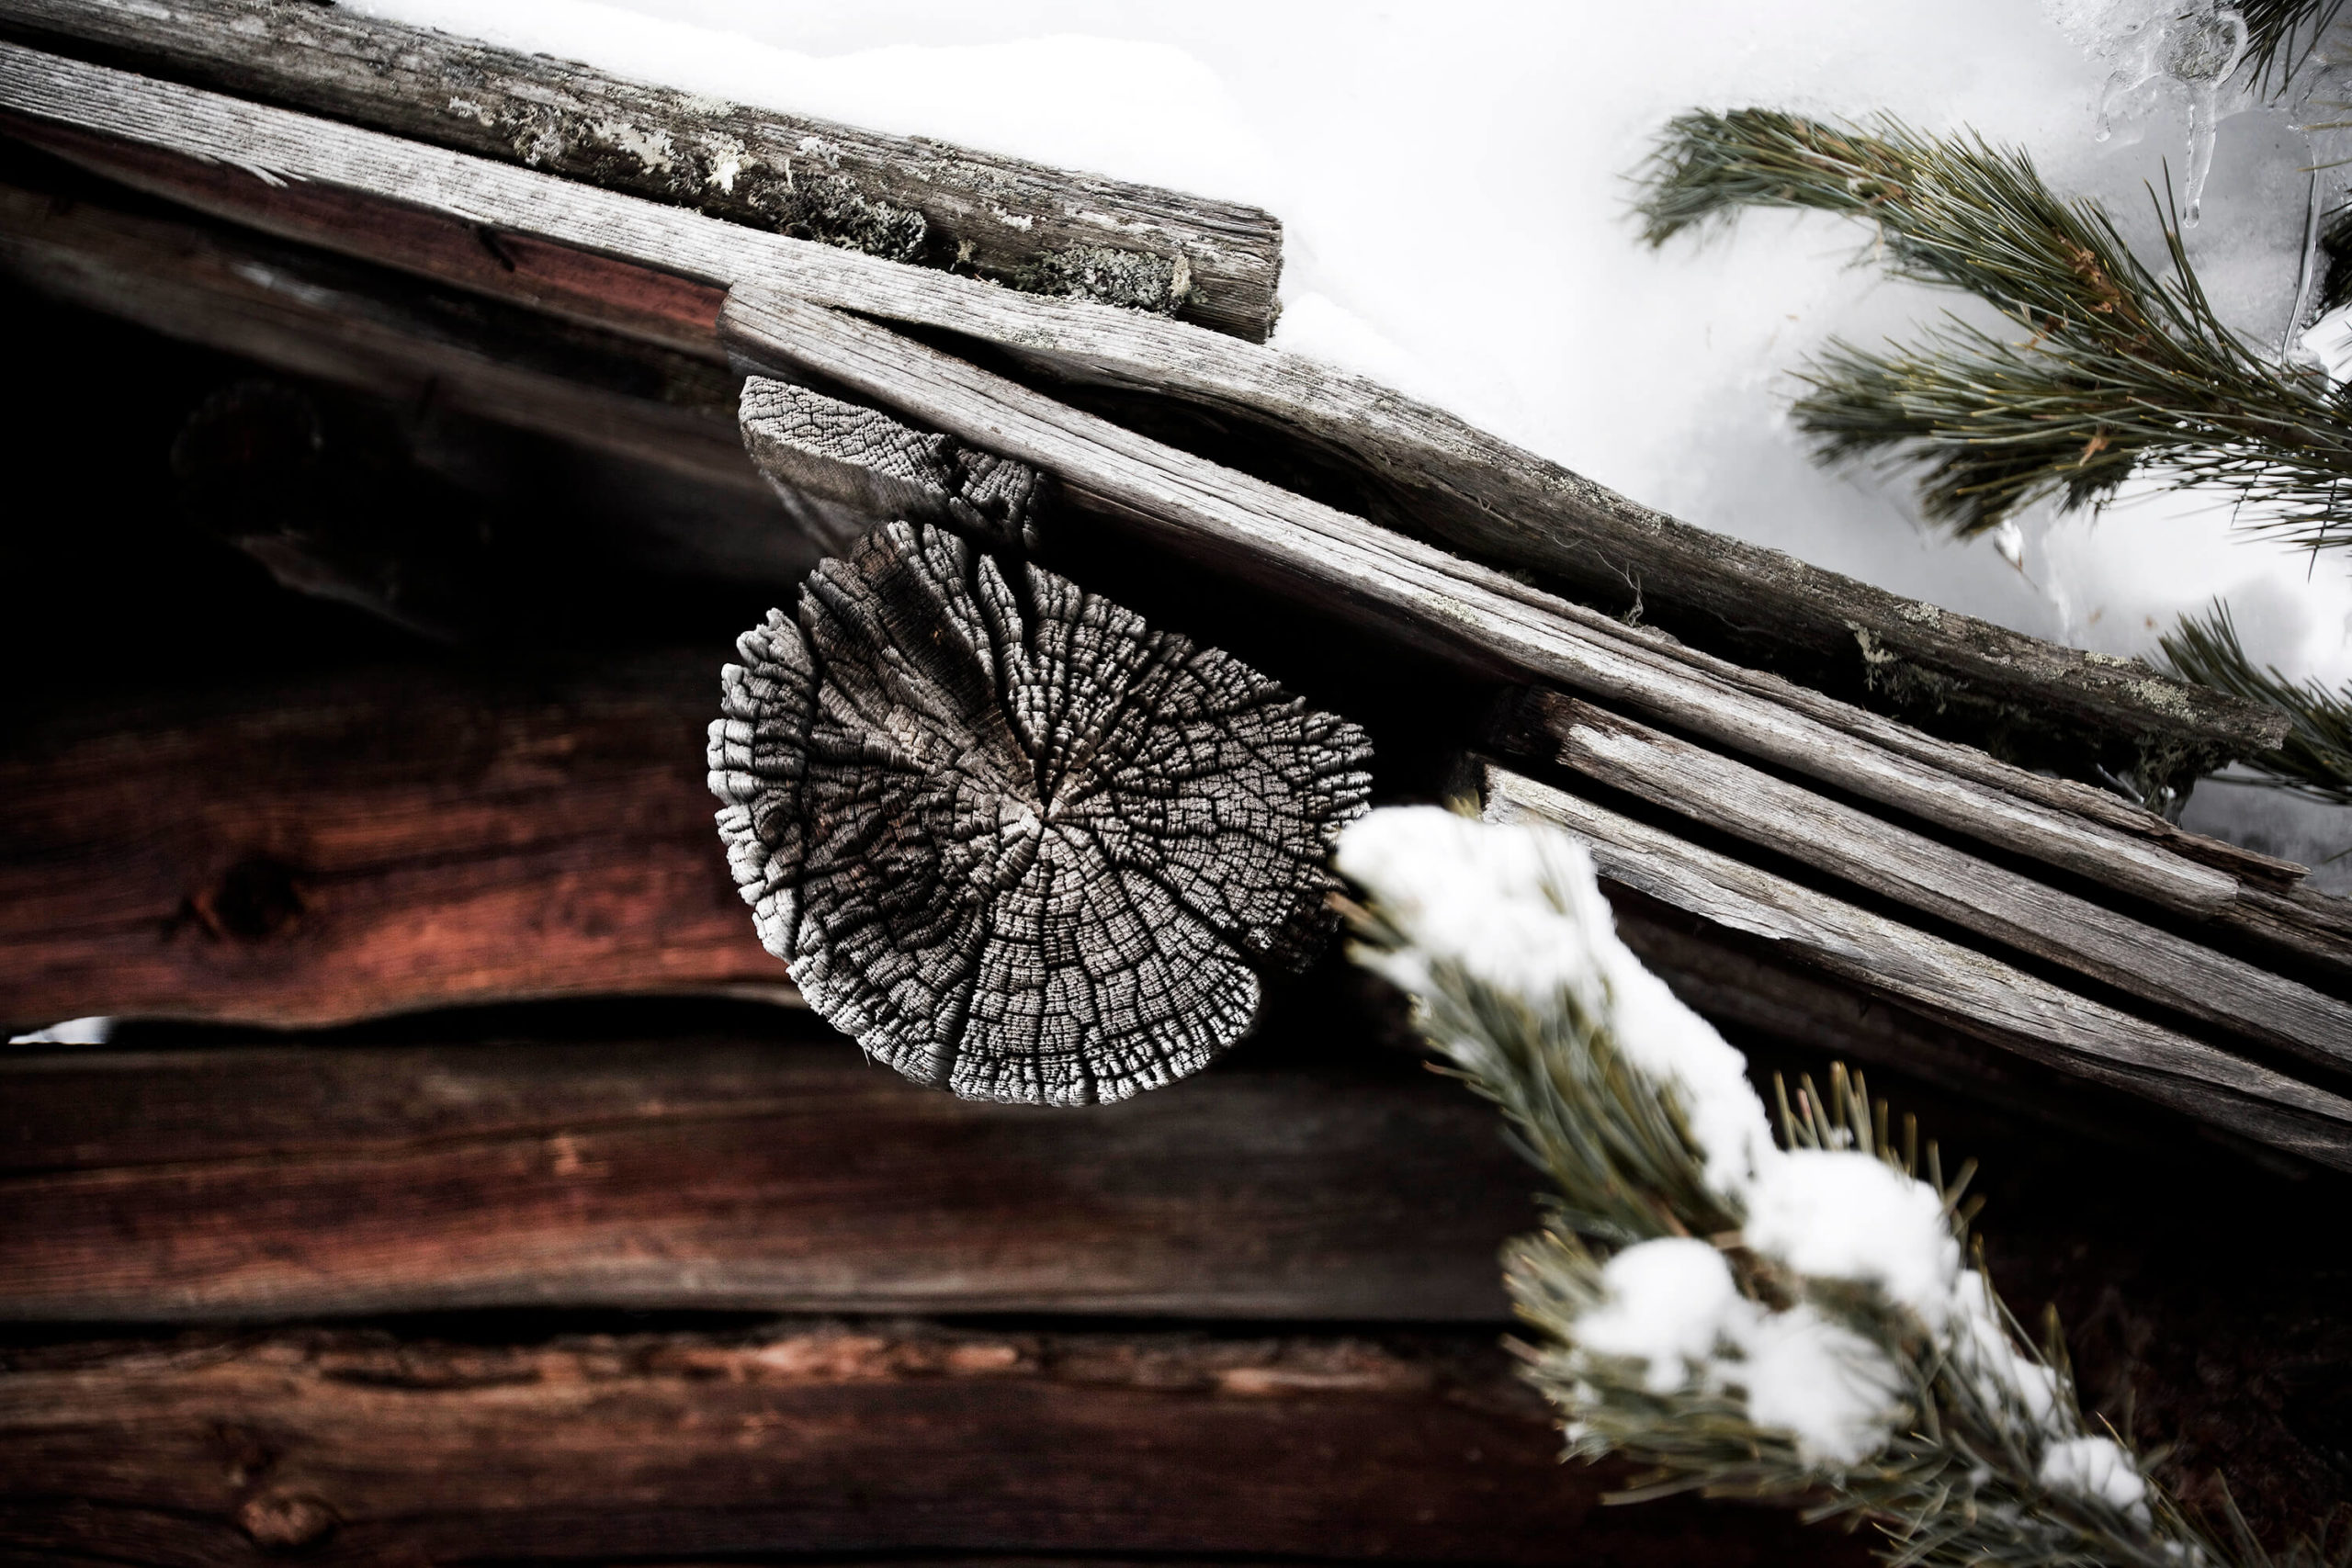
(1970,892)
(1415,591)
(1016,842)
(906,199)
(842,471)
(1444,476)
(1982,997)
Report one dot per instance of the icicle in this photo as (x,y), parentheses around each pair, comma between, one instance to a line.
(2200,52)
(2158,51)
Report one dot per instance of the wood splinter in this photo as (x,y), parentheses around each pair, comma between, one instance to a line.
(1015,842)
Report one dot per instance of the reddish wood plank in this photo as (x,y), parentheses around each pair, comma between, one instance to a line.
(356,1448)
(704,1173)
(375,844)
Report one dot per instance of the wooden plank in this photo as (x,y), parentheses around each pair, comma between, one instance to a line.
(1414,591)
(1972,893)
(1441,475)
(361,1448)
(315,315)
(340,849)
(909,198)
(1982,997)
(715,1172)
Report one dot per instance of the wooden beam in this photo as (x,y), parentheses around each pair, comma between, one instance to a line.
(781,1173)
(1993,1001)
(340,849)
(908,198)
(1418,593)
(1974,894)
(359,1447)
(618,258)
(314,314)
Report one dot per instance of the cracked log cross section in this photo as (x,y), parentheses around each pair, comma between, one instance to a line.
(1017,843)
(905,199)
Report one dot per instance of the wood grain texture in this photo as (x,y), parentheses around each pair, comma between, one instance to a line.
(315,315)
(363,1449)
(1419,593)
(909,199)
(338,850)
(1990,1000)
(842,471)
(1441,475)
(1015,842)
(1976,895)
(725,1172)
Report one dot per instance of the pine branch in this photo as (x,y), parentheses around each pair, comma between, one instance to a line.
(2281,36)
(2316,761)
(1958,1441)
(2118,370)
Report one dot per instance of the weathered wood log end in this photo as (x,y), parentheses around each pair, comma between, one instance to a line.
(840,471)
(1013,841)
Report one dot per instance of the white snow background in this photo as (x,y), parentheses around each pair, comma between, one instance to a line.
(1452,178)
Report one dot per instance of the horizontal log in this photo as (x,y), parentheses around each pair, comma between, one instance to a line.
(1976,895)
(359,1448)
(316,315)
(1412,589)
(909,198)
(1982,997)
(323,851)
(558,242)
(733,1173)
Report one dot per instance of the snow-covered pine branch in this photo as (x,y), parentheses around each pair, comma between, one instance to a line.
(1794,1317)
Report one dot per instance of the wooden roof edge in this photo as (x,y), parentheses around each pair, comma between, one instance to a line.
(1209,262)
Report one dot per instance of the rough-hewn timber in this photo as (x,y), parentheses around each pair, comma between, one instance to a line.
(776,1173)
(1016,842)
(1948,884)
(1993,1001)
(352,1447)
(368,844)
(1437,474)
(1417,592)
(904,198)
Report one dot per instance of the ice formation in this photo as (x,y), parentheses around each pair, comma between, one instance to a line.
(1516,908)
(2163,50)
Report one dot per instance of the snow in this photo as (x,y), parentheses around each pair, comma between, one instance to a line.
(1813,1376)
(1842,1214)
(2097,1468)
(1671,1303)
(1517,907)
(2003,1376)
(1452,183)
(73,1031)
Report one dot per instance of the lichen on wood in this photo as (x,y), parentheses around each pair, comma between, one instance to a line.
(1015,842)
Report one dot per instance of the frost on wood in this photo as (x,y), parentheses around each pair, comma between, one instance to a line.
(1009,838)
(840,469)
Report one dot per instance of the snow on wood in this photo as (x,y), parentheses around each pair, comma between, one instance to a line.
(907,199)
(1425,469)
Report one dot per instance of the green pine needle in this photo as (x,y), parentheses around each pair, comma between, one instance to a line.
(2107,371)
(2316,761)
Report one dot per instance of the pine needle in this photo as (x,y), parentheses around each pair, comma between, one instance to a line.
(2316,761)
(2108,369)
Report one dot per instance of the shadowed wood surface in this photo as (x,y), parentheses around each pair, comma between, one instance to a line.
(908,200)
(333,850)
(360,1448)
(1415,465)
(1013,841)
(725,1172)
